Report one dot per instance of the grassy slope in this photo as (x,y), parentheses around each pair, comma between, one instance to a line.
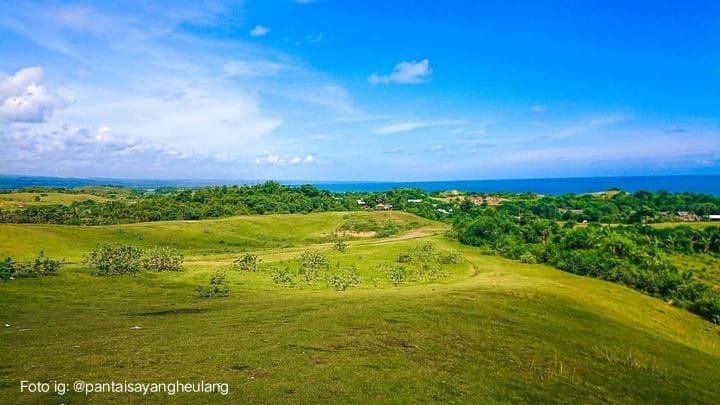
(495,330)
(705,267)
(225,235)
(17,200)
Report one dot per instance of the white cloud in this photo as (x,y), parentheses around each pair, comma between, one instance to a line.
(435,148)
(405,73)
(411,125)
(538,108)
(268,158)
(24,99)
(259,31)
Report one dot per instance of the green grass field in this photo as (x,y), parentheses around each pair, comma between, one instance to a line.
(19,200)
(494,330)
(705,267)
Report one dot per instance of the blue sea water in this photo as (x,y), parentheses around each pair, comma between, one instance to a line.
(708,184)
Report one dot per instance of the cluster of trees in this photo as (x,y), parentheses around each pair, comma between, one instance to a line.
(614,206)
(684,239)
(632,255)
(213,202)
(202,203)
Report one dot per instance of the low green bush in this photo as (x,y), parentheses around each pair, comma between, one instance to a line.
(163,258)
(282,277)
(347,277)
(111,260)
(217,287)
(312,259)
(248,262)
(41,266)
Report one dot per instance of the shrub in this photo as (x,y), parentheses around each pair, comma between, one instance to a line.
(312,259)
(44,266)
(163,258)
(282,278)
(348,277)
(249,262)
(110,260)
(217,287)
(340,246)
(528,257)
(397,275)
(41,266)
(444,257)
(310,275)
(7,268)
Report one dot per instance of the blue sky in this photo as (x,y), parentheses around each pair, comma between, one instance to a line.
(350,90)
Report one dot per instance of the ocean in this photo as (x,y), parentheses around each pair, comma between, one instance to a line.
(708,184)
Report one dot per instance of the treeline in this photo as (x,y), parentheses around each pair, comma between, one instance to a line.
(162,204)
(635,256)
(615,207)
(210,202)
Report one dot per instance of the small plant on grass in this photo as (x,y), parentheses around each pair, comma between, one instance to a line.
(163,258)
(111,260)
(340,246)
(348,277)
(7,268)
(282,278)
(44,266)
(310,275)
(528,257)
(217,287)
(312,259)
(41,266)
(249,262)
(397,275)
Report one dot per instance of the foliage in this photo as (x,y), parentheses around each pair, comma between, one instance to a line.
(340,246)
(347,277)
(312,259)
(217,287)
(632,255)
(396,275)
(41,266)
(7,268)
(117,259)
(163,258)
(282,277)
(248,262)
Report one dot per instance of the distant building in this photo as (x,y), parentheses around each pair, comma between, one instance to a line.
(714,217)
(383,207)
(687,216)
(414,200)
(361,202)
(443,211)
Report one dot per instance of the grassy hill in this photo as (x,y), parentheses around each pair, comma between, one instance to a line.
(494,330)
(19,200)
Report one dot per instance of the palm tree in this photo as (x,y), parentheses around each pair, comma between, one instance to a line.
(670,241)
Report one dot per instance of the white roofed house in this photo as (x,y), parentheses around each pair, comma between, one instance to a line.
(714,217)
